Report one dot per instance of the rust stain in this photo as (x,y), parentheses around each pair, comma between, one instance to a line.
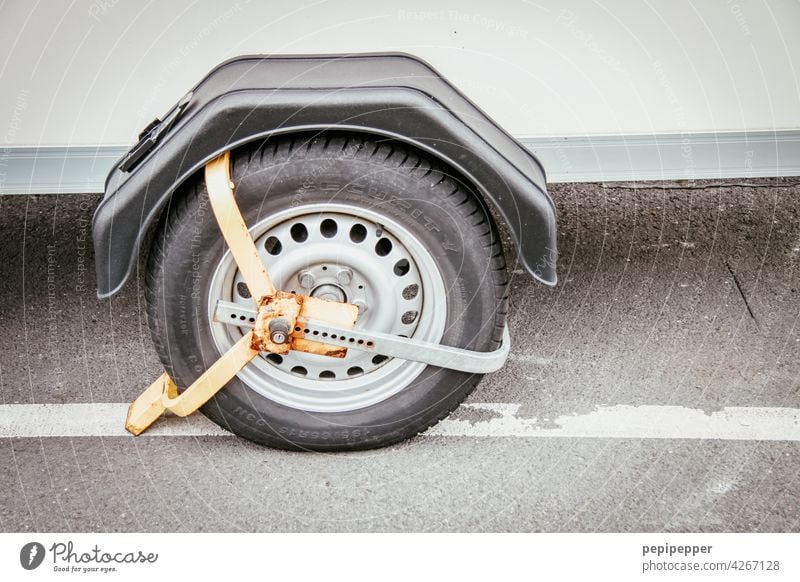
(281,305)
(291,306)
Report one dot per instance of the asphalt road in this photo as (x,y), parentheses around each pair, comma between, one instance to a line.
(668,297)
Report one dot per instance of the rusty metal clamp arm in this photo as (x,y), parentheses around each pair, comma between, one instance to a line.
(382,343)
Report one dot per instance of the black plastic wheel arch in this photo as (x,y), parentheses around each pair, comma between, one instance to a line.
(253,97)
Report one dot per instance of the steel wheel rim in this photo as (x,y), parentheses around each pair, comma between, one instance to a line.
(358,381)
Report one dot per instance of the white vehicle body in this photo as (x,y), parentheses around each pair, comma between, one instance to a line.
(621,90)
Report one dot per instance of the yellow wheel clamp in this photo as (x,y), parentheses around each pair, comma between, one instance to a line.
(283,322)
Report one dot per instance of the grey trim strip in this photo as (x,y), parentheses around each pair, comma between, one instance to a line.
(682,156)
(606,158)
(56,170)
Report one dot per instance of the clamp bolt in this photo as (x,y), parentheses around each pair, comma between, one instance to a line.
(279,330)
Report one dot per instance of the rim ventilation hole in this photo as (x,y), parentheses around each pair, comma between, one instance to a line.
(273,246)
(242,290)
(409,317)
(275,358)
(401,267)
(358,233)
(300,371)
(328,228)
(299,232)
(383,247)
(327,375)
(410,291)
(355,371)
(379,359)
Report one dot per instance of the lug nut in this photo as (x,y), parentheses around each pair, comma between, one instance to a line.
(306,280)
(344,276)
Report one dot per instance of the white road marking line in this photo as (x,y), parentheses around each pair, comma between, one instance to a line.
(636,422)
(92,420)
(501,420)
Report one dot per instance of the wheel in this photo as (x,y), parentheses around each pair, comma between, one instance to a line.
(343,217)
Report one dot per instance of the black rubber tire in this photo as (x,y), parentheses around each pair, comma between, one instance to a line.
(427,199)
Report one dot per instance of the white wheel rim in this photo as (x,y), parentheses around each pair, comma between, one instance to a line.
(380,281)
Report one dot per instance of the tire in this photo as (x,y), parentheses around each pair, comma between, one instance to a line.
(450,244)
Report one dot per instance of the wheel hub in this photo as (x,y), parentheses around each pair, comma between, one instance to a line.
(330,292)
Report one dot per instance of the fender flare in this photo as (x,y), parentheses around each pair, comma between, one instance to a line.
(252,98)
